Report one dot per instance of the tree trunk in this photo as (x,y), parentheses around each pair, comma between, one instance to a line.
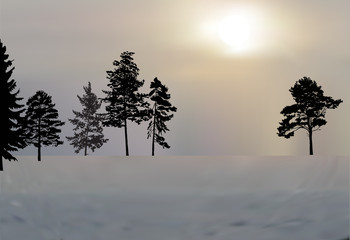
(126,138)
(153,141)
(125,127)
(85,150)
(39,152)
(311,150)
(85,144)
(86,137)
(39,141)
(1,165)
(154,128)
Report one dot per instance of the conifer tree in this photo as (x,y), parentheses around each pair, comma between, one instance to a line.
(42,122)
(88,131)
(124,100)
(11,133)
(160,113)
(308,112)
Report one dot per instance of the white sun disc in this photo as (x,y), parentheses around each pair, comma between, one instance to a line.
(235,31)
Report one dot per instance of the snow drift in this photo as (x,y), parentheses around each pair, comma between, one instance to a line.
(151,198)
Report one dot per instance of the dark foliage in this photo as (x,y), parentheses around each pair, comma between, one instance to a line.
(11,134)
(124,101)
(88,131)
(42,122)
(160,113)
(308,112)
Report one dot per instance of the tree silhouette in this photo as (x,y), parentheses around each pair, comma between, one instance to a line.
(11,133)
(309,110)
(88,131)
(42,122)
(160,113)
(124,100)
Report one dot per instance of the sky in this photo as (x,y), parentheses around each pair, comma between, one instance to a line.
(228,97)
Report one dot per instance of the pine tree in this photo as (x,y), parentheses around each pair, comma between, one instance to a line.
(124,100)
(160,113)
(42,122)
(88,131)
(308,112)
(11,133)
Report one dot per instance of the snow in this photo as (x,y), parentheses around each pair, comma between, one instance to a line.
(165,198)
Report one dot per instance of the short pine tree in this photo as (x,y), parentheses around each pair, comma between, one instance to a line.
(11,133)
(124,100)
(160,113)
(308,112)
(42,122)
(88,131)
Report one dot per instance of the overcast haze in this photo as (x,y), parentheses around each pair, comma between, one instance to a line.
(228,102)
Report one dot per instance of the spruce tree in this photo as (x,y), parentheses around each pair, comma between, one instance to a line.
(160,113)
(88,131)
(124,101)
(11,133)
(308,112)
(42,122)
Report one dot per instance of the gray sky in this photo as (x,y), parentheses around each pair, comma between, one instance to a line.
(228,101)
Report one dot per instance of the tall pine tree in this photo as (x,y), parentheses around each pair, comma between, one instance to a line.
(42,121)
(88,131)
(160,113)
(124,100)
(11,133)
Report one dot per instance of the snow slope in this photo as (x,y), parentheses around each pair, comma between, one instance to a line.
(151,198)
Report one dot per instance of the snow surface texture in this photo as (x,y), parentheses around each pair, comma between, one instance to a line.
(182,198)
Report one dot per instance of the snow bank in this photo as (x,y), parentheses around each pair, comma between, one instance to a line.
(150,198)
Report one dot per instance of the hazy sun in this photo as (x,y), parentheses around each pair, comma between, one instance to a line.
(236,31)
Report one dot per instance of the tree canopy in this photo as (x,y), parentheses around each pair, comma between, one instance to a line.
(124,101)
(309,110)
(161,113)
(88,131)
(11,133)
(42,123)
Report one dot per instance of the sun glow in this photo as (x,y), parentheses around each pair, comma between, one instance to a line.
(239,30)
(236,31)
